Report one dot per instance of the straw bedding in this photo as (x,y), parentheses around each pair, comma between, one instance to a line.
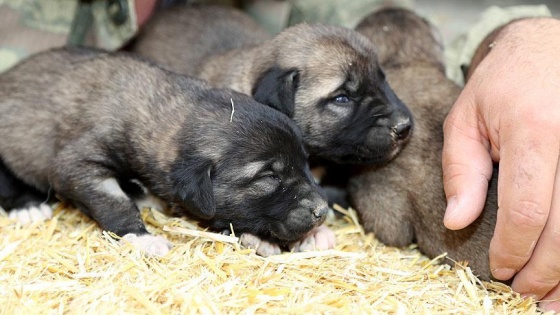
(68,265)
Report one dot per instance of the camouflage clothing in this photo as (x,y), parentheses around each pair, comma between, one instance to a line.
(461,51)
(29,26)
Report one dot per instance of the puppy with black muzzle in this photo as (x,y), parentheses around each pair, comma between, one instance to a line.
(326,78)
(404,201)
(86,124)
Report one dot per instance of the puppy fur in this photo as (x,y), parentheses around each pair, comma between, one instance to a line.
(326,78)
(182,37)
(89,124)
(404,201)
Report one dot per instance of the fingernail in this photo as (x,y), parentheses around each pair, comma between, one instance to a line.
(450,211)
(503,273)
(550,306)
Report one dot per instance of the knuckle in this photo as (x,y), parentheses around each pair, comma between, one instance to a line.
(541,283)
(452,171)
(527,214)
(448,123)
(501,258)
(452,122)
(531,116)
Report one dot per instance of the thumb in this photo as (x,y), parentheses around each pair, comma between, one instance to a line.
(466,162)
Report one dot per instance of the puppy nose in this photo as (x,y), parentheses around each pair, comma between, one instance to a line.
(320,213)
(317,206)
(403,130)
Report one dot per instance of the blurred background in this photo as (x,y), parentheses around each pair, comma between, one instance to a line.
(457,16)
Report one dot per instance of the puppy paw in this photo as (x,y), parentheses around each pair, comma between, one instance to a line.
(261,247)
(37,213)
(150,244)
(319,238)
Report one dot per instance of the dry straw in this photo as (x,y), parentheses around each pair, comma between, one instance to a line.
(68,266)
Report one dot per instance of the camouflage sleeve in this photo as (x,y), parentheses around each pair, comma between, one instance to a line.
(114,23)
(461,51)
(27,27)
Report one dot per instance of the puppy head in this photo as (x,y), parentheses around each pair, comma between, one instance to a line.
(401,36)
(251,172)
(329,81)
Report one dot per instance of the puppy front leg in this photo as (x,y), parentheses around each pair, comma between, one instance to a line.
(24,203)
(94,189)
(261,247)
(319,238)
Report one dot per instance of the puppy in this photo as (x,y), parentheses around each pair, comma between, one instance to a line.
(86,124)
(326,78)
(404,201)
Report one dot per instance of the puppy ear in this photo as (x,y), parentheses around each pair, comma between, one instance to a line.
(277,88)
(192,186)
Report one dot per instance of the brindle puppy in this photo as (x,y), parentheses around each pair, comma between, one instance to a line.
(404,201)
(87,124)
(326,78)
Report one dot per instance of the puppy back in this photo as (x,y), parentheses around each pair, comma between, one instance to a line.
(182,37)
(401,36)
(71,93)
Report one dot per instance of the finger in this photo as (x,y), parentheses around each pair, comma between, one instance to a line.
(542,273)
(466,162)
(525,188)
(550,302)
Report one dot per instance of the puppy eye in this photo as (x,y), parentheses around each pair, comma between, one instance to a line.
(269,175)
(275,177)
(341,99)
(266,182)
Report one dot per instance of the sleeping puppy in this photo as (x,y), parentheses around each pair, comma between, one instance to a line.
(326,78)
(404,201)
(89,125)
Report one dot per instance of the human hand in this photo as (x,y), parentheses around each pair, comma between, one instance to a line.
(509,111)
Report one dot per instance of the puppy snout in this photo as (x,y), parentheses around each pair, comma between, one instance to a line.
(403,130)
(320,213)
(317,208)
